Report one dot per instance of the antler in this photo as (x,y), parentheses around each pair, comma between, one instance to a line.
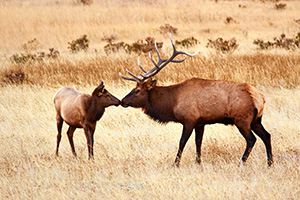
(161,63)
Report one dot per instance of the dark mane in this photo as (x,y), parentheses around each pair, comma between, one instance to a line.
(162,115)
(161,111)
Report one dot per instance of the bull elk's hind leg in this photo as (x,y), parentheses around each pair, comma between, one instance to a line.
(245,130)
(199,130)
(258,128)
(59,123)
(70,133)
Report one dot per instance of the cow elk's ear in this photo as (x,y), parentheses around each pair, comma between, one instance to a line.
(99,90)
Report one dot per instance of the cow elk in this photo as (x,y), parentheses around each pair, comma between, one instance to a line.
(197,102)
(81,111)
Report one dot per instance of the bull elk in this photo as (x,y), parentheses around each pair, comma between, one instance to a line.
(197,102)
(81,111)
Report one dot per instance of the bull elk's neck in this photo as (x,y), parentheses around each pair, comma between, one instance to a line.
(160,104)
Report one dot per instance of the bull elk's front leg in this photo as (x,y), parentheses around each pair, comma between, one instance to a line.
(186,133)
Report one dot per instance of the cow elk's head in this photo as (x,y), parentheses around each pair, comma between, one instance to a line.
(103,97)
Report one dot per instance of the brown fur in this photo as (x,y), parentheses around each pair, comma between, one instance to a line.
(81,111)
(197,102)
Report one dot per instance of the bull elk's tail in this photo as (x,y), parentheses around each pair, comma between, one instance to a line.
(258,100)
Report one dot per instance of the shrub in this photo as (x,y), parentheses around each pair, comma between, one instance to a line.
(187,42)
(230,20)
(225,46)
(117,47)
(81,44)
(22,58)
(14,77)
(53,53)
(279,42)
(167,28)
(137,47)
(85,2)
(28,57)
(280,6)
(31,45)
(109,39)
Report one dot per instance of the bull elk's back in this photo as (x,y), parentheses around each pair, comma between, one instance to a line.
(216,101)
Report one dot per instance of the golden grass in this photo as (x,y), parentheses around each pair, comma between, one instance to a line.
(257,69)
(134,155)
(56,24)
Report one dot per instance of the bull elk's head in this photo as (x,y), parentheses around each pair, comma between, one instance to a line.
(139,95)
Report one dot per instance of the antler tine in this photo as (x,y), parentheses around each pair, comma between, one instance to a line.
(141,66)
(160,60)
(180,52)
(173,45)
(126,78)
(188,54)
(179,61)
(134,76)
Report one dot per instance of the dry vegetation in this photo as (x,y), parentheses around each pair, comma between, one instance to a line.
(134,155)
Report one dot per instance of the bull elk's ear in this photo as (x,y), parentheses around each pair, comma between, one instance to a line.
(150,84)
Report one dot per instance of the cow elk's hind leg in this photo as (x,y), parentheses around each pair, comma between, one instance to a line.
(186,133)
(258,128)
(59,122)
(70,133)
(245,130)
(199,130)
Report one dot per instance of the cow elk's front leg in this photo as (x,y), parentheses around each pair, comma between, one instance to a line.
(89,137)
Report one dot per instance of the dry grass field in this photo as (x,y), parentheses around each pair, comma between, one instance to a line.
(134,155)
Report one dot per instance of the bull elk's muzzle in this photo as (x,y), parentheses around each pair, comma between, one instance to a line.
(124,104)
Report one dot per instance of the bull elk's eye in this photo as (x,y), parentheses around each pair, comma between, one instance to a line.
(137,91)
